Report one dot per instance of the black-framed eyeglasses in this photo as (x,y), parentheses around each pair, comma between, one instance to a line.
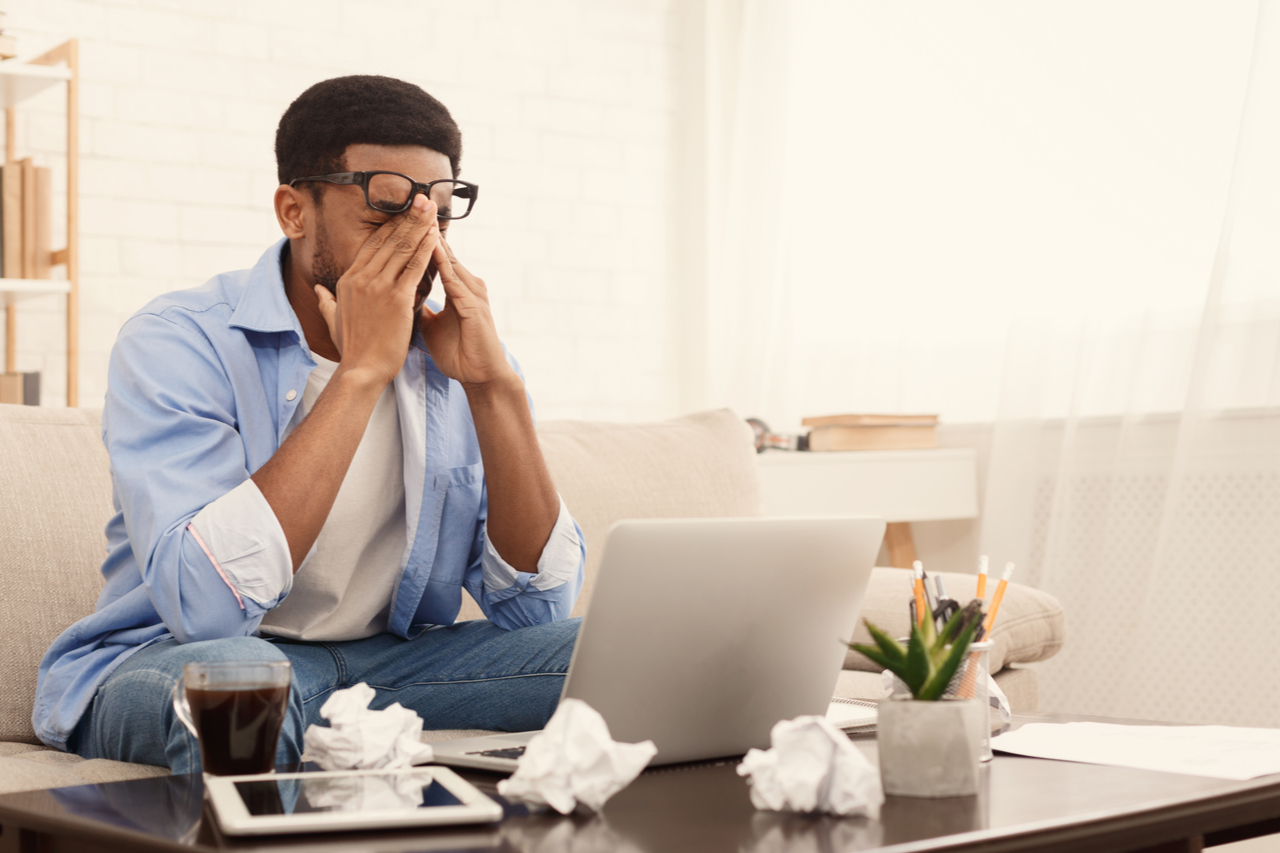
(392,192)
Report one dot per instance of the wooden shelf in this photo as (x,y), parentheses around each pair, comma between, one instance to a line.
(19,81)
(16,289)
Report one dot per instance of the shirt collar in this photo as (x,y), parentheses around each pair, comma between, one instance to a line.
(263,306)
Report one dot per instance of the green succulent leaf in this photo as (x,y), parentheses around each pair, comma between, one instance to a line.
(891,648)
(946,670)
(918,665)
(950,629)
(928,631)
(874,654)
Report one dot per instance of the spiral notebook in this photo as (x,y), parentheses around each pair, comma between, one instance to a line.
(854,716)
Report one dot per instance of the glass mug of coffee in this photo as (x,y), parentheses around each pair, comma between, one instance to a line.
(235,710)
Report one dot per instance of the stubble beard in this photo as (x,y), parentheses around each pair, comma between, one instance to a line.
(324,268)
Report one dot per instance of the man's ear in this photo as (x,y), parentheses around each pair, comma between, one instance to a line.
(293,211)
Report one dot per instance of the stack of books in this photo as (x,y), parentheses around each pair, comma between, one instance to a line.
(872,432)
(26,219)
(8,44)
(22,389)
(26,248)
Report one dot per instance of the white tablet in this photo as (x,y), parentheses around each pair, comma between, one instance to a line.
(271,803)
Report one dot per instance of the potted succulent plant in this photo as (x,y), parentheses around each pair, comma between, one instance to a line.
(928,743)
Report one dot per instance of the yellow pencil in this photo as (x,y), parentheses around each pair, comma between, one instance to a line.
(982,577)
(996,599)
(922,603)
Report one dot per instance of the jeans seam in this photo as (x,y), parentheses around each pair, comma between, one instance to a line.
(164,675)
(327,691)
(344,674)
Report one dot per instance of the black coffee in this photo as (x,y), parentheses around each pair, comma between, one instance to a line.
(238,727)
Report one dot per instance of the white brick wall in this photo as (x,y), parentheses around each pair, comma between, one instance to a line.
(568,109)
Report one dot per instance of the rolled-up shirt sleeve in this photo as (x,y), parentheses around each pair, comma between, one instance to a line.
(243,539)
(515,599)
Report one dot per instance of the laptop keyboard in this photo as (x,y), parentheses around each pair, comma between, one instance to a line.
(511,752)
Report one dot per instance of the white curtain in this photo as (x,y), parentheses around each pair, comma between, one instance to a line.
(748,330)
(1158,527)
(891,187)
(1061,220)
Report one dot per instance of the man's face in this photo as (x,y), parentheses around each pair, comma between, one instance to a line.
(344,221)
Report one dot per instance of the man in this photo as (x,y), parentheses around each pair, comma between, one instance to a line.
(310,461)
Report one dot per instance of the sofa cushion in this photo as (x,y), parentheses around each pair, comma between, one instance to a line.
(1029,627)
(697,466)
(52,541)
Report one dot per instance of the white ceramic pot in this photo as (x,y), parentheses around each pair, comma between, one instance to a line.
(929,749)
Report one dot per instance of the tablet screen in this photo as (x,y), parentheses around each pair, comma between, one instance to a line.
(383,792)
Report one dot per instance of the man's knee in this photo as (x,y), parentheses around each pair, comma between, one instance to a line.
(225,649)
(170,656)
(556,640)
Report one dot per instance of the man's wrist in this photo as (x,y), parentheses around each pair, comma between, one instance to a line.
(496,392)
(358,380)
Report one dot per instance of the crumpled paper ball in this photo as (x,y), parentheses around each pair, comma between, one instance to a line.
(360,739)
(811,766)
(574,760)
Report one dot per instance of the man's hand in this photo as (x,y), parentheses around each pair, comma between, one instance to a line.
(371,320)
(461,337)
(463,342)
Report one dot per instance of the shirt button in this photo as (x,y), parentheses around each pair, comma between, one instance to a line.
(291,396)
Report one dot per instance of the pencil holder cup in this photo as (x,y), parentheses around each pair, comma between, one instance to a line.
(969,682)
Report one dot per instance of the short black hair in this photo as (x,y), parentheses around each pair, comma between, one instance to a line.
(316,129)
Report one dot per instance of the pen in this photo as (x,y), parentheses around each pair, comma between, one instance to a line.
(922,605)
(982,578)
(997,598)
(946,607)
(928,589)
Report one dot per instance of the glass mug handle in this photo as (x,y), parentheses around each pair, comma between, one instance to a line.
(180,706)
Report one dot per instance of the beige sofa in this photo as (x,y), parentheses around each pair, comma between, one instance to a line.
(55,500)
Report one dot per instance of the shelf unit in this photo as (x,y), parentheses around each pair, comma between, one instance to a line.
(900,486)
(18,82)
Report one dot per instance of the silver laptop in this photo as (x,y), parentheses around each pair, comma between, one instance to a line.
(704,633)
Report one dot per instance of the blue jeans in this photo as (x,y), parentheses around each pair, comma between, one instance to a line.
(472,675)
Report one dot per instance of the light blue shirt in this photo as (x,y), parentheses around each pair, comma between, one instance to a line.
(201,389)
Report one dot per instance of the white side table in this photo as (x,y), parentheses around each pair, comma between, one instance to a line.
(901,486)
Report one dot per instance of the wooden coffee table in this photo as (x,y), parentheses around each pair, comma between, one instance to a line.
(1025,804)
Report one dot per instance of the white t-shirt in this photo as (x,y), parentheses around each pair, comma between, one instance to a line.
(343,592)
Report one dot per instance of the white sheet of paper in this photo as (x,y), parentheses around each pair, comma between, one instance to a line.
(1223,752)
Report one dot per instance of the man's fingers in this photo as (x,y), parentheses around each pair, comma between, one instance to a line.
(457,272)
(454,286)
(403,241)
(416,266)
(376,241)
(328,305)
(329,311)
